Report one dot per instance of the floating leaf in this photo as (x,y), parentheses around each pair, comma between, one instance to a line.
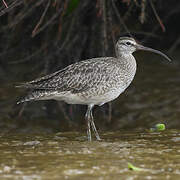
(134,168)
(158,127)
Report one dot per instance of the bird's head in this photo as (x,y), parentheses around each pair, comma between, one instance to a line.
(128,45)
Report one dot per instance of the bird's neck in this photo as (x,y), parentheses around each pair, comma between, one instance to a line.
(125,57)
(124,53)
(127,63)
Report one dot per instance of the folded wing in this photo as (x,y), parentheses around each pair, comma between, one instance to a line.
(77,77)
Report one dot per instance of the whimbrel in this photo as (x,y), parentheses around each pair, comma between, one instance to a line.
(90,82)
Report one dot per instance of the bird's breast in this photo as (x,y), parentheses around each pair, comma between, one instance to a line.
(127,70)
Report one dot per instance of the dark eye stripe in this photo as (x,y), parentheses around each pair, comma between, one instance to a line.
(126,43)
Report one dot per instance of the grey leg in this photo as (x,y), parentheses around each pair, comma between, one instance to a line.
(88,120)
(93,126)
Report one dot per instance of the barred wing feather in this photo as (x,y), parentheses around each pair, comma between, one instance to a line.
(77,77)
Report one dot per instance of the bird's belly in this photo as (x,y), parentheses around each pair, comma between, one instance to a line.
(70,98)
(109,96)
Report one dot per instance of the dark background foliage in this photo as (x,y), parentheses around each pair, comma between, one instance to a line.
(40,37)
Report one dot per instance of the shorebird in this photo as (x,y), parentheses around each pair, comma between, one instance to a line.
(90,82)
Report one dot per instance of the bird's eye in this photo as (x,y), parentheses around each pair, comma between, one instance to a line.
(128,43)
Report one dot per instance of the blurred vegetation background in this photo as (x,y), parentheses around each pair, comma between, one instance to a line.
(40,37)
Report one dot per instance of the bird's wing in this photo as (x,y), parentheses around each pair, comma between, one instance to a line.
(36,84)
(77,77)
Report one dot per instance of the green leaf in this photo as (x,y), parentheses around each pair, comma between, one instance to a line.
(134,168)
(158,127)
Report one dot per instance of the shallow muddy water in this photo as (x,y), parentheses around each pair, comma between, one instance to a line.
(70,156)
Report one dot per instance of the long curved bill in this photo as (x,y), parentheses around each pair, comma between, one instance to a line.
(140,47)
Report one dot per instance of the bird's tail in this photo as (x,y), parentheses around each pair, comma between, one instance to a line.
(34,96)
(23,85)
(27,98)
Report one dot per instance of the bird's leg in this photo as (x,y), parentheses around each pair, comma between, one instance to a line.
(93,126)
(88,120)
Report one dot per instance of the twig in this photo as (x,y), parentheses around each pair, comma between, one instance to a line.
(166,18)
(157,16)
(48,22)
(10,7)
(61,107)
(142,15)
(41,19)
(111,25)
(24,14)
(128,12)
(175,44)
(104,26)
(26,59)
(109,112)
(137,4)
(120,18)
(68,35)
(5,3)
(60,21)
(21,110)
